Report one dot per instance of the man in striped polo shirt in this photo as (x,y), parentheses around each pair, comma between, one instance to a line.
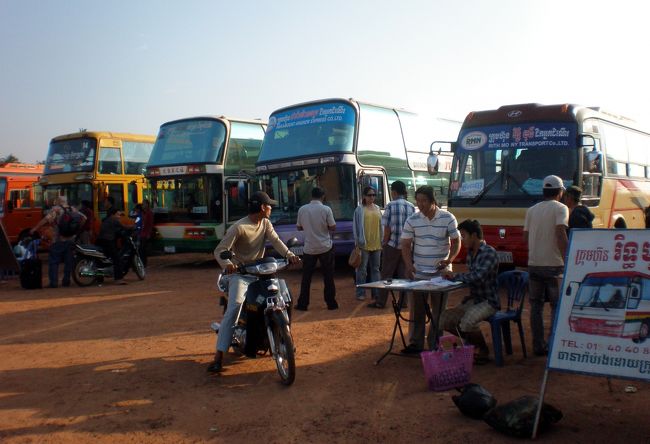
(430,242)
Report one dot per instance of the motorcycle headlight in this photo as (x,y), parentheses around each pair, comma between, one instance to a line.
(266,268)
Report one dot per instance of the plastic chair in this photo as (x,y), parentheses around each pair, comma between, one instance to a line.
(516,284)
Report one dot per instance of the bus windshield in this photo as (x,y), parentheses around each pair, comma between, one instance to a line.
(76,192)
(511,161)
(70,156)
(189,141)
(309,130)
(181,199)
(610,292)
(292,189)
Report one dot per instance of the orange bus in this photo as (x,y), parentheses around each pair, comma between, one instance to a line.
(21,198)
(502,156)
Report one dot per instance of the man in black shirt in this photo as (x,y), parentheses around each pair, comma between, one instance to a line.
(579,215)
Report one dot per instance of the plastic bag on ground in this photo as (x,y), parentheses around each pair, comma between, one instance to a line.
(474,400)
(516,418)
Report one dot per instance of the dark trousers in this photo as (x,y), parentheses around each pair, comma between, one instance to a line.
(143,249)
(61,251)
(327,268)
(391,264)
(109,247)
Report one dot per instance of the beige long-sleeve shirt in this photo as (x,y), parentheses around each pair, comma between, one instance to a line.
(246,239)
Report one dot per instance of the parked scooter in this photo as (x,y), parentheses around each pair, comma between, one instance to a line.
(267,308)
(92,265)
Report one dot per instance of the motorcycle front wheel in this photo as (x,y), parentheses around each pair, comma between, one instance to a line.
(138,267)
(84,266)
(285,356)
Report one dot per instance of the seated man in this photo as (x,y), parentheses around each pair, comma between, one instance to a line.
(483,299)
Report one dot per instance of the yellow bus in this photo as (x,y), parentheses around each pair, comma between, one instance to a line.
(92,165)
(502,156)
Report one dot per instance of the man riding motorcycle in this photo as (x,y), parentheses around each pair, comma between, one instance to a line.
(246,239)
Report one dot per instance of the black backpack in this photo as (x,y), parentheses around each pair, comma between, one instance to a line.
(69,222)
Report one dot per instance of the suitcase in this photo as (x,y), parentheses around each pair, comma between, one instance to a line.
(31,269)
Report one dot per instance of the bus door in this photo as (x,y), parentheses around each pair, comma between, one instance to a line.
(21,210)
(236,199)
(592,165)
(376,179)
(638,303)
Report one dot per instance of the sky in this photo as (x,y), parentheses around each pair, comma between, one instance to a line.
(130,66)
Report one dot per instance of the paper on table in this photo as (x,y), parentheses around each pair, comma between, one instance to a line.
(439,280)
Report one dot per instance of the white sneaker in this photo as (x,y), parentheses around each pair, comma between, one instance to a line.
(215,326)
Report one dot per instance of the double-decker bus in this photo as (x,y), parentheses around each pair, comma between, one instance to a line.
(92,165)
(342,146)
(199,171)
(21,198)
(502,156)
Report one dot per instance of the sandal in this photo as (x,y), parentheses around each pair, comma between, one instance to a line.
(374,305)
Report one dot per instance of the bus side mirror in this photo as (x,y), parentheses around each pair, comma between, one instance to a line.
(635,292)
(571,288)
(432,164)
(432,160)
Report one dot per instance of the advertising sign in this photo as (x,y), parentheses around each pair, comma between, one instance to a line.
(603,320)
(312,115)
(526,135)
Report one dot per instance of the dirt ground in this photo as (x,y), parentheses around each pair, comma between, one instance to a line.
(128,364)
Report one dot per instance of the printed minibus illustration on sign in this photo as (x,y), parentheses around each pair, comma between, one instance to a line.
(615,304)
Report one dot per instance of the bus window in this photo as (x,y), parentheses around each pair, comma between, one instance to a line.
(237,196)
(110,161)
(376,182)
(380,136)
(116,190)
(136,156)
(19,198)
(132,189)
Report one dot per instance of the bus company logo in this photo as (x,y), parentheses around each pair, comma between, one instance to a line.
(514,114)
(473,140)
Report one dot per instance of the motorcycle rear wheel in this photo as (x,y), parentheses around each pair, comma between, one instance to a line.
(138,267)
(285,357)
(84,281)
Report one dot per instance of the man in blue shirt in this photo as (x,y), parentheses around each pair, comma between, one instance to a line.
(395,214)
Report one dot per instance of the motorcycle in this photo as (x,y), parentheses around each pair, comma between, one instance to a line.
(267,308)
(92,265)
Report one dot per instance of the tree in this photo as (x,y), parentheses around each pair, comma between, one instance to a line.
(10,158)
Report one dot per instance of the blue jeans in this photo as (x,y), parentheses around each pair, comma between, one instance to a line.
(61,251)
(374,258)
(237,287)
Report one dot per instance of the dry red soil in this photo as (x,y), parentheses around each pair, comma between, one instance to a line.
(128,364)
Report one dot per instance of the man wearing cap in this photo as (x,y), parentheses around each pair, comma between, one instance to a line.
(246,238)
(317,221)
(545,232)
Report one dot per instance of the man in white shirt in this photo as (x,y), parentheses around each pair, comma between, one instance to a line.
(317,221)
(545,230)
(430,242)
